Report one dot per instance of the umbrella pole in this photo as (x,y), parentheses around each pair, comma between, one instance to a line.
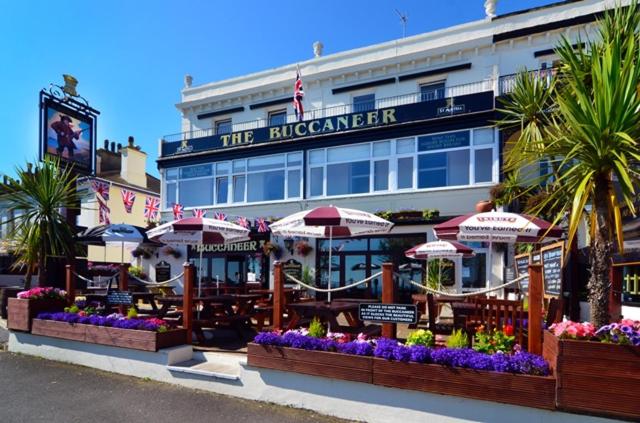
(440,274)
(200,277)
(330,263)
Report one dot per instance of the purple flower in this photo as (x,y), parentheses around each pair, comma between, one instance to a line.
(355,348)
(420,354)
(402,353)
(385,348)
(268,338)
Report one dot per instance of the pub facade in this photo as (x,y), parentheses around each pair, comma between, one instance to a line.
(405,129)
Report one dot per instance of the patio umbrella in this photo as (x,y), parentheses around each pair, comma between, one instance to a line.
(497,227)
(115,233)
(198,231)
(331,222)
(439,250)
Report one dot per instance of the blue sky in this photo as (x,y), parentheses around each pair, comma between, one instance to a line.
(131,56)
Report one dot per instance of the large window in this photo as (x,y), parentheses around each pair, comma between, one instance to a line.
(364,103)
(432,91)
(223,126)
(256,179)
(460,158)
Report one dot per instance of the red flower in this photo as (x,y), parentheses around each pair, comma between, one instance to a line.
(508,330)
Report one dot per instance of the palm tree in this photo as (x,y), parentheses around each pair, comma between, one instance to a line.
(583,120)
(37,200)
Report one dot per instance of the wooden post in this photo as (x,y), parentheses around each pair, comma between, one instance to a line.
(388,297)
(536,295)
(615,293)
(187,300)
(278,295)
(70,283)
(123,283)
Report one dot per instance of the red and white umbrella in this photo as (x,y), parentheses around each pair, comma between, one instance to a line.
(497,227)
(198,231)
(331,222)
(438,249)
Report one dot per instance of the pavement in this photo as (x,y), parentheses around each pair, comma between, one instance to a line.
(38,390)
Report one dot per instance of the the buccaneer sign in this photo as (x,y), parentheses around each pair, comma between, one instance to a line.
(315,127)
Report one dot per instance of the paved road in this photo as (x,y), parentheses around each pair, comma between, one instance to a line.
(36,390)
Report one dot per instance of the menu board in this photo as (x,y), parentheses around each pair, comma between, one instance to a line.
(522,268)
(552,268)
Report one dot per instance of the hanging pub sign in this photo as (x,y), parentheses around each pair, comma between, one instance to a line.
(163,271)
(67,126)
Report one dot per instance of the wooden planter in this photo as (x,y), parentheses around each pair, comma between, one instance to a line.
(317,363)
(21,312)
(530,391)
(525,390)
(114,337)
(595,377)
(407,215)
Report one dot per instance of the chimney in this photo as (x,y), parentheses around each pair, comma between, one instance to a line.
(113,146)
(134,164)
(106,144)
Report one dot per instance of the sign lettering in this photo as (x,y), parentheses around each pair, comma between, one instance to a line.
(388,313)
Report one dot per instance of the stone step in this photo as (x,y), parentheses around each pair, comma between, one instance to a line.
(219,370)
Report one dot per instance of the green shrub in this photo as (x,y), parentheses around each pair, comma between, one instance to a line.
(316,329)
(458,339)
(132,313)
(421,337)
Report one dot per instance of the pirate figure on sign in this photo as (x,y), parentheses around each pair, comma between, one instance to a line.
(65,134)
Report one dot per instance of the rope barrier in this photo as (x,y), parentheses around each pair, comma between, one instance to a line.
(152,284)
(340,288)
(470,294)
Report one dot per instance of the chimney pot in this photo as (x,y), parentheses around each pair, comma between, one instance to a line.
(113,146)
(130,141)
(119,147)
(106,144)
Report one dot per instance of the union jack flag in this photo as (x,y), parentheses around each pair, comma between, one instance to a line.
(219,216)
(243,221)
(101,188)
(263,226)
(151,208)
(128,197)
(103,212)
(199,213)
(298,95)
(178,211)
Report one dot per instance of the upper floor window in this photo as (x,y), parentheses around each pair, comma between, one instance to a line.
(223,126)
(364,103)
(432,91)
(278,117)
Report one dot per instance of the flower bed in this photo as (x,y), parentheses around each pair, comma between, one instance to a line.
(595,377)
(514,379)
(28,304)
(113,330)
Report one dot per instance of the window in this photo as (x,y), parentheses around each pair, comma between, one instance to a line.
(432,91)
(223,126)
(364,103)
(278,117)
(458,158)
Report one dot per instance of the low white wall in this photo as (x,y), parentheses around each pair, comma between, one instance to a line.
(629,312)
(351,400)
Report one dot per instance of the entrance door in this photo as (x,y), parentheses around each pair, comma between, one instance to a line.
(236,272)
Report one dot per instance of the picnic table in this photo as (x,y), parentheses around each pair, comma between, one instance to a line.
(329,313)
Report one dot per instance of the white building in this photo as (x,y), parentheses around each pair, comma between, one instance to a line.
(403,125)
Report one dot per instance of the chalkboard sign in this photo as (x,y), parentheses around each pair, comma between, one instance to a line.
(119,297)
(388,313)
(552,269)
(522,268)
(292,268)
(163,271)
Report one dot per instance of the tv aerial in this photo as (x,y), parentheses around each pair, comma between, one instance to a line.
(404,18)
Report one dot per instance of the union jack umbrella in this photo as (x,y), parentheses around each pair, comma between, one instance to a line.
(178,211)
(199,213)
(128,198)
(101,188)
(219,216)
(243,221)
(262,224)
(298,95)
(330,222)
(151,208)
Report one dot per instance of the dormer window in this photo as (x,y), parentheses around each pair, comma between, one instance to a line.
(223,126)
(364,103)
(278,117)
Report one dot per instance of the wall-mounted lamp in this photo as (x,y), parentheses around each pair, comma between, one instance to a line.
(288,244)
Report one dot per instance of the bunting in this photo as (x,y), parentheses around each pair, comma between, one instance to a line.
(199,213)
(128,198)
(151,208)
(263,226)
(219,216)
(243,221)
(100,187)
(178,211)
(103,212)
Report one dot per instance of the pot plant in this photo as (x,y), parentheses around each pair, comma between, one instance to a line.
(141,252)
(23,309)
(272,248)
(303,248)
(484,206)
(170,251)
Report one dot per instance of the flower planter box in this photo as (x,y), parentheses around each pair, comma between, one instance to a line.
(525,390)
(113,337)
(21,312)
(407,216)
(595,377)
(316,363)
